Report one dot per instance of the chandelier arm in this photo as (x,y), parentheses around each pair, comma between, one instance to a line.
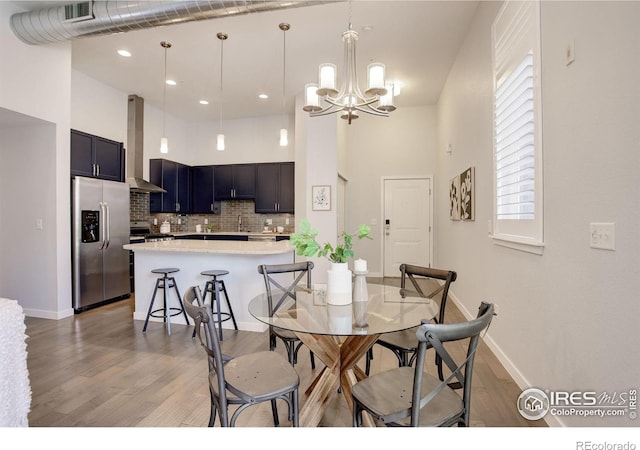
(373,111)
(333,107)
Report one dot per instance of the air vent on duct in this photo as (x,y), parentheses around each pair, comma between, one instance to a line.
(78,12)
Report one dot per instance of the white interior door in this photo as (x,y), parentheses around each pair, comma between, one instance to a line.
(407,223)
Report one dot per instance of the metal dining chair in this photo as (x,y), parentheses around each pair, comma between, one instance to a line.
(391,397)
(404,344)
(300,271)
(245,380)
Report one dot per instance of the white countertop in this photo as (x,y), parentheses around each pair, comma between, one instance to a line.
(228,247)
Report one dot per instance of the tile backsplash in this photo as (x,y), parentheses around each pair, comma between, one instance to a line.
(227,220)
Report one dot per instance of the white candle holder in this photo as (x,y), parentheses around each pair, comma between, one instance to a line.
(360,292)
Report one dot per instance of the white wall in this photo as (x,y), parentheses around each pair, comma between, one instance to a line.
(249,140)
(28,253)
(35,82)
(403,144)
(97,108)
(566,319)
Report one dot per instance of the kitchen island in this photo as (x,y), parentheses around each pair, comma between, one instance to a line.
(240,258)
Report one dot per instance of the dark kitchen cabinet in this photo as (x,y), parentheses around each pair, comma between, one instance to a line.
(275,188)
(96,157)
(203,199)
(234,181)
(173,177)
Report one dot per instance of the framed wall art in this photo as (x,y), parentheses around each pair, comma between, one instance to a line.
(462,201)
(321,198)
(467,194)
(454,198)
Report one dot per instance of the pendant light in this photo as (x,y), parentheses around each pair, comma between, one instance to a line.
(220,138)
(284,139)
(164,142)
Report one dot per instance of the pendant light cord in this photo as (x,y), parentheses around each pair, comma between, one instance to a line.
(221,59)
(164,93)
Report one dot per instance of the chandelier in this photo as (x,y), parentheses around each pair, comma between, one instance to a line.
(325,98)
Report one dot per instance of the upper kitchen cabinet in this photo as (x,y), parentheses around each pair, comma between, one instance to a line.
(175,179)
(235,181)
(275,188)
(203,199)
(96,157)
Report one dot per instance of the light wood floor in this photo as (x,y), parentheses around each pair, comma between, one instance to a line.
(98,369)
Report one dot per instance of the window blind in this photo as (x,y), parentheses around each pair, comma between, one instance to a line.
(517,128)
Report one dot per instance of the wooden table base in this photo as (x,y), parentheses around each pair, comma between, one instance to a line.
(340,355)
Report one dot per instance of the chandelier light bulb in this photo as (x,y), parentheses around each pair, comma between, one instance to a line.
(375,79)
(311,99)
(327,77)
(386,100)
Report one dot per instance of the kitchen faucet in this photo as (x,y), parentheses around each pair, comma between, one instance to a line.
(239,223)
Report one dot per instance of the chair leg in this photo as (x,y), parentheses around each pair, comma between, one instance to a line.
(367,365)
(357,415)
(296,413)
(233,318)
(153,297)
(184,311)
(291,353)
(212,414)
(167,312)
(216,297)
(274,411)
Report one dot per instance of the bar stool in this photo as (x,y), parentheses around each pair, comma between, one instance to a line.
(215,287)
(165,283)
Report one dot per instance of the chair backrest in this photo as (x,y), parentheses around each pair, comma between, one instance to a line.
(435,335)
(300,271)
(201,315)
(448,276)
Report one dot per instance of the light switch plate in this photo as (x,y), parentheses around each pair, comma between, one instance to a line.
(602,236)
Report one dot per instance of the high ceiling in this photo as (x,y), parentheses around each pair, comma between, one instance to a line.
(416,40)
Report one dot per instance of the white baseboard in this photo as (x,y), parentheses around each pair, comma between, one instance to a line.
(509,366)
(44,314)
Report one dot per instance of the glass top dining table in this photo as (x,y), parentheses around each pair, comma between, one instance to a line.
(340,336)
(388,309)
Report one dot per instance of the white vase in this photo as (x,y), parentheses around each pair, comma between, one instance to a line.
(339,284)
(340,319)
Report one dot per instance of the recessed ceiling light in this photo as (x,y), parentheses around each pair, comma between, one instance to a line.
(171,82)
(263,96)
(124,53)
(204,102)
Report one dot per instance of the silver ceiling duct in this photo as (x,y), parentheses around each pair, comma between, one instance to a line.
(94,18)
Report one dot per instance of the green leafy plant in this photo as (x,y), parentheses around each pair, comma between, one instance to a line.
(306,244)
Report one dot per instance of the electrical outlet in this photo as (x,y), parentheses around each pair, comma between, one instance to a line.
(269,222)
(286,221)
(206,221)
(39,224)
(602,236)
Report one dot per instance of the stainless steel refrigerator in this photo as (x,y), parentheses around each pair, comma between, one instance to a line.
(100,211)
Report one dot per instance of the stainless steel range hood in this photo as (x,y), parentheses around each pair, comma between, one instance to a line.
(135,145)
